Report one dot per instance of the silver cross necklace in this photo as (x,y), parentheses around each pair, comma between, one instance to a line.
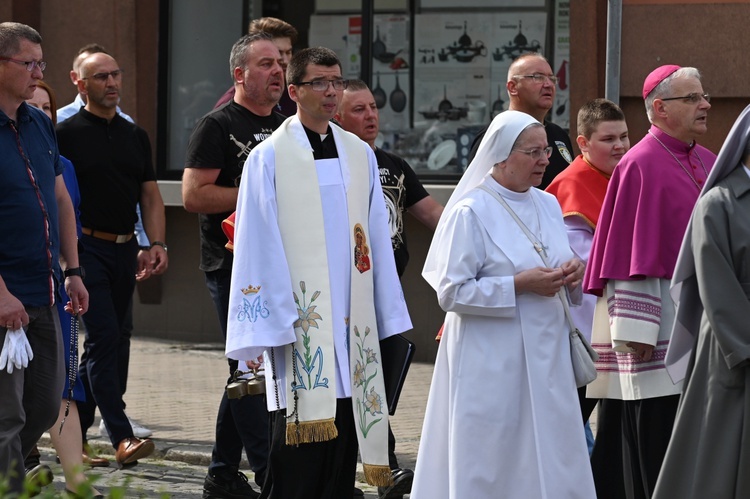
(692,177)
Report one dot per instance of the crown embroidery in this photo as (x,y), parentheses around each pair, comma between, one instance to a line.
(250,290)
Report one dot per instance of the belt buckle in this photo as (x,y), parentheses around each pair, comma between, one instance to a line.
(122,238)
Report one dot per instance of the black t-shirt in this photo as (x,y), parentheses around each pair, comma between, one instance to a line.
(401,189)
(223,139)
(562,148)
(111,159)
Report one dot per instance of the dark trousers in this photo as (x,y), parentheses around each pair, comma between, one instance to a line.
(606,457)
(110,280)
(320,470)
(240,423)
(30,397)
(587,405)
(647,427)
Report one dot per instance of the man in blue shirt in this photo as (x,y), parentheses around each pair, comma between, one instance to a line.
(38,226)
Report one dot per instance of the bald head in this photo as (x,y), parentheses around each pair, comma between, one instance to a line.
(100,81)
(531,85)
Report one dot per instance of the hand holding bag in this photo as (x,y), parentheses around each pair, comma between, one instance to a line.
(581,354)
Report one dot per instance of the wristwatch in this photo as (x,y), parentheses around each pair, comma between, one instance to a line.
(159,243)
(79,271)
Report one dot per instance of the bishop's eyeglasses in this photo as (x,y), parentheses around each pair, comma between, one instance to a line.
(692,98)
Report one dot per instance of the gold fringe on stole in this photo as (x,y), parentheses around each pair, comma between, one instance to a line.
(306,432)
(378,475)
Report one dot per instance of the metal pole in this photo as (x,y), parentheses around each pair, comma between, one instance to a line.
(365,51)
(614,41)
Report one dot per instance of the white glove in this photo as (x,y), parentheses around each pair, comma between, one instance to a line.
(16,351)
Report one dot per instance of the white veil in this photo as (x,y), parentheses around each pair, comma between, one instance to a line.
(684,287)
(495,147)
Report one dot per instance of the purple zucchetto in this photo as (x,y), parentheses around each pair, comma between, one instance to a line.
(657,76)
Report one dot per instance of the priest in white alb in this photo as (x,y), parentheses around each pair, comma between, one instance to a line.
(314,288)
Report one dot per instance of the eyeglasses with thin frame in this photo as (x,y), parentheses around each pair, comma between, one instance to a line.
(322,85)
(536,153)
(30,65)
(692,98)
(102,77)
(539,78)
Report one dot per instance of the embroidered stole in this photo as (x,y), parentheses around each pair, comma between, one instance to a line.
(310,360)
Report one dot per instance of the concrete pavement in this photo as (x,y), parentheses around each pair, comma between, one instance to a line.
(174,389)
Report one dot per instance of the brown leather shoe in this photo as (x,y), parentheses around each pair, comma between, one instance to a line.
(130,450)
(94,461)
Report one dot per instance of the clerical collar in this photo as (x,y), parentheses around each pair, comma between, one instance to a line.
(323,148)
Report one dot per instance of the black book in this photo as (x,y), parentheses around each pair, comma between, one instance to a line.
(397,353)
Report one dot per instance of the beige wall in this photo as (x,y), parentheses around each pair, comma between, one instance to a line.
(704,35)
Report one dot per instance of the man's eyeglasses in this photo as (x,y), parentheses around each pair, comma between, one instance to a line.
(103,77)
(30,65)
(322,85)
(539,78)
(536,154)
(693,98)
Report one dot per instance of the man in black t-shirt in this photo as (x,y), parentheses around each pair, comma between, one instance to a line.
(531,88)
(403,193)
(112,159)
(216,154)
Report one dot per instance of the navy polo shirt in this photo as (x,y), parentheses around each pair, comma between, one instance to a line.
(30,242)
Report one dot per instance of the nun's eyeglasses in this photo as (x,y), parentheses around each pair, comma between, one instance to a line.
(536,154)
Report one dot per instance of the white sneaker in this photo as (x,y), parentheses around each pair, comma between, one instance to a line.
(139,430)
(103,429)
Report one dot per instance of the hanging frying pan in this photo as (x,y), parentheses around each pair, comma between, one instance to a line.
(378,47)
(387,57)
(378,93)
(398,98)
(497,106)
(445,105)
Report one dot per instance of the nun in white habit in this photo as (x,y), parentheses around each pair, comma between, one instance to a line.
(502,416)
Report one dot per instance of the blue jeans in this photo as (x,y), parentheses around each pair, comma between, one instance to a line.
(31,396)
(241,422)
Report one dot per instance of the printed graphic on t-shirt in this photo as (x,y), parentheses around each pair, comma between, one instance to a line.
(244,149)
(394,191)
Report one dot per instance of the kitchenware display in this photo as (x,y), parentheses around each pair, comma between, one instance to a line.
(519,45)
(463,50)
(398,98)
(378,93)
(378,47)
(441,155)
(445,111)
(497,106)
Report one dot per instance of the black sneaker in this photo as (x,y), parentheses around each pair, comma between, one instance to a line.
(402,479)
(237,487)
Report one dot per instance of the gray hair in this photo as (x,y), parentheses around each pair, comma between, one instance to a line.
(238,55)
(11,35)
(664,88)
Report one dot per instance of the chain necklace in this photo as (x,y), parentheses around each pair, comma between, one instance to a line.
(294,413)
(692,177)
(72,366)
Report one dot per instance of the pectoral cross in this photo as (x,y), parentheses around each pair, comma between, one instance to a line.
(541,249)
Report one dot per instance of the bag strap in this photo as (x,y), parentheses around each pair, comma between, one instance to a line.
(562,293)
